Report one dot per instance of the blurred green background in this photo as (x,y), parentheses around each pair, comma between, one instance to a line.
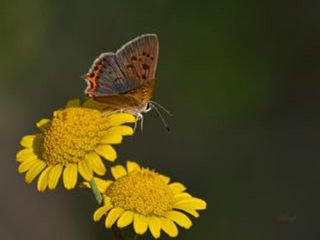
(241,78)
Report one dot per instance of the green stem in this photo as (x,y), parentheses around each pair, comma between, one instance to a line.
(95,191)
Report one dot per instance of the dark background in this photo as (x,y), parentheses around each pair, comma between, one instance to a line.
(241,78)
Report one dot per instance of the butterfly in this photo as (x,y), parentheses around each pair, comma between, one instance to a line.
(125,80)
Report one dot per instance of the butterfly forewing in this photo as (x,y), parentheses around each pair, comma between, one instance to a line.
(138,59)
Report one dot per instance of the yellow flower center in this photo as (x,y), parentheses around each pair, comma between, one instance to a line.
(71,134)
(141,191)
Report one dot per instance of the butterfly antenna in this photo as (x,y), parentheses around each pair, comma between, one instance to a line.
(161,117)
(162,107)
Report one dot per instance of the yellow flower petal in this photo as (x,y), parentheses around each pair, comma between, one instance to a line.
(70,176)
(25,154)
(189,210)
(96,163)
(100,212)
(118,171)
(181,196)
(131,166)
(177,187)
(27,164)
(120,118)
(125,219)
(102,184)
(192,203)
(111,139)
(27,141)
(84,170)
(179,218)
(154,226)
(34,171)
(112,217)
(54,176)
(107,152)
(73,103)
(120,130)
(43,124)
(43,180)
(85,185)
(140,223)
(169,227)
(164,178)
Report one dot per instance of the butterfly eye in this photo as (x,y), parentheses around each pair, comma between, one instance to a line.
(148,108)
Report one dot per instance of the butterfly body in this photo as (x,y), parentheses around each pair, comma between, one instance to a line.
(125,80)
(134,101)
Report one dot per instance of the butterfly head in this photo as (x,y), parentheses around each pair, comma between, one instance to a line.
(148,107)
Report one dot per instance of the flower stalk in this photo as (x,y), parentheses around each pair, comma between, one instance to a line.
(96,191)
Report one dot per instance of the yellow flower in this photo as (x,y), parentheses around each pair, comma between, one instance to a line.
(147,200)
(72,142)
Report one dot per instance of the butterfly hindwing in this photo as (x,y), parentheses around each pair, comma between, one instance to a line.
(138,59)
(107,76)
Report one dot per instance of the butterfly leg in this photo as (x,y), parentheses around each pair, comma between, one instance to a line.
(139,118)
(141,122)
